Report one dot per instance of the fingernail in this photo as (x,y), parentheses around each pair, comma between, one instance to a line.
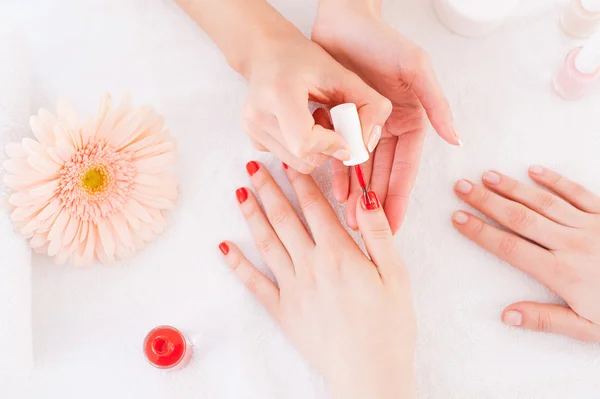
(464,187)
(374,138)
(536,169)
(460,143)
(512,318)
(224,248)
(460,217)
(284,165)
(241,194)
(252,167)
(491,177)
(342,155)
(370,203)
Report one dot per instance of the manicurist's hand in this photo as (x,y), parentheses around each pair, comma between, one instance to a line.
(284,71)
(349,316)
(354,33)
(553,236)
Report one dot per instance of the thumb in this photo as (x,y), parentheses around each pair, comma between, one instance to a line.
(428,90)
(550,318)
(373,108)
(377,234)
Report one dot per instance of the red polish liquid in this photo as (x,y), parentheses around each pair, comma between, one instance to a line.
(360,176)
(165,347)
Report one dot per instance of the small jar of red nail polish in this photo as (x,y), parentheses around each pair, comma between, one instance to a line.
(165,347)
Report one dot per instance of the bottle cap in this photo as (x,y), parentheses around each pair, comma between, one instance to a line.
(347,123)
(474,18)
(588,59)
(591,5)
(165,347)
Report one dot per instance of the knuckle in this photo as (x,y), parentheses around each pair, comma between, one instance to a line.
(544,322)
(509,247)
(544,201)
(577,190)
(309,199)
(236,263)
(421,58)
(264,246)
(380,232)
(483,199)
(250,116)
(250,283)
(519,218)
(279,215)
(478,228)
(305,169)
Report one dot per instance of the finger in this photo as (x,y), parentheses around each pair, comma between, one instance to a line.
(383,159)
(356,192)
(569,190)
(512,215)
(550,318)
(340,176)
(522,254)
(267,136)
(279,211)
(300,133)
(402,177)
(258,146)
(261,286)
(321,219)
(373,108)
(268,244)
(544,203)
(429,91)
(377,235)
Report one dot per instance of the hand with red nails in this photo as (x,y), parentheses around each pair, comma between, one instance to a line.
(355,34)
(349,316)
(285,70)
(552,236)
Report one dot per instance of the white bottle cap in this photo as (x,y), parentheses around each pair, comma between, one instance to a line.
(347,123)
(474,18)
(591,5)
(588,59)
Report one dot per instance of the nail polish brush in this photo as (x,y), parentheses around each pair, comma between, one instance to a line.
(347,123)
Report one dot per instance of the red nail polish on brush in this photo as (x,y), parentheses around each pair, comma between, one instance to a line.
(370,202)
(252,167)
(166,347)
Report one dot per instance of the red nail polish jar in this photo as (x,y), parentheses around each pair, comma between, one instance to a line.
(165,347)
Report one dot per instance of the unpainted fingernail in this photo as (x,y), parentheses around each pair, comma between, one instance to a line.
(342,155)
(460,217)
(513,318)
(374,138)
(460,143)
(491,177)
(464,187)
(536,169)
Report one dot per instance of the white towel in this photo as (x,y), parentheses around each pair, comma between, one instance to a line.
(15,256)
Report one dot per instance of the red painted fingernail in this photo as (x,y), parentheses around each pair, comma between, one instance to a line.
(370,203)
(241,194)
(252,167)
(224,248)
(284,165)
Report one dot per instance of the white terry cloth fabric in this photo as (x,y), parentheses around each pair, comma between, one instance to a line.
(15,256)
(89,324)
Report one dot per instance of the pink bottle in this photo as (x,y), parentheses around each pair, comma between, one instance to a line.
(581,18)
(580,72)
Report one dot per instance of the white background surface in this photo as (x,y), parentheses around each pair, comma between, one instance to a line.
(88,325)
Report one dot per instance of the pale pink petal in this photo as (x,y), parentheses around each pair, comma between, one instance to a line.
(55,246)
(157,202)
(155,164)
(64,147)
(32,147)
(49,210)
(16,166)
(155,150)
(90,244)
(86,228)
(44,164)
(106,237)
(119,224)
(22,213)
(15,150)
(42,130)
(61,257)
(67,117)
(45,189)
(22,199)
(55,156)
(38,240)
(133,221)
(71,230)
(59,225)
(138,210)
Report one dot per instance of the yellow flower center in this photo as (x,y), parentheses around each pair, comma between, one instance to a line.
(95,180)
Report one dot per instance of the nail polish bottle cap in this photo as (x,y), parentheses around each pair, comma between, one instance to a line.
(347,123)
(166,347)
(474,18)
(591,5)
(588,59)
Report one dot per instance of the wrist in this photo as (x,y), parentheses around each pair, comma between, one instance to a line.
(370,8)
(382,384)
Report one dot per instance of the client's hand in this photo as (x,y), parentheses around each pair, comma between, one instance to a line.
(355,34)
(349,316)
(554,238)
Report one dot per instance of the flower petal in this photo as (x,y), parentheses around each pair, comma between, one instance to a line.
(59,226)
(106,237)
(138,210)
(71,230)
(44,164)
(15,150)
(120,226)
(45,189)
(90,245)
(42,130)
(155,164)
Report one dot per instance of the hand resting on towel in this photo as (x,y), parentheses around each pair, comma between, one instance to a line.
(349,316)
(553,236)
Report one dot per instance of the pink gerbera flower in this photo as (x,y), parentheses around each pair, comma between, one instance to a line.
(92,191)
